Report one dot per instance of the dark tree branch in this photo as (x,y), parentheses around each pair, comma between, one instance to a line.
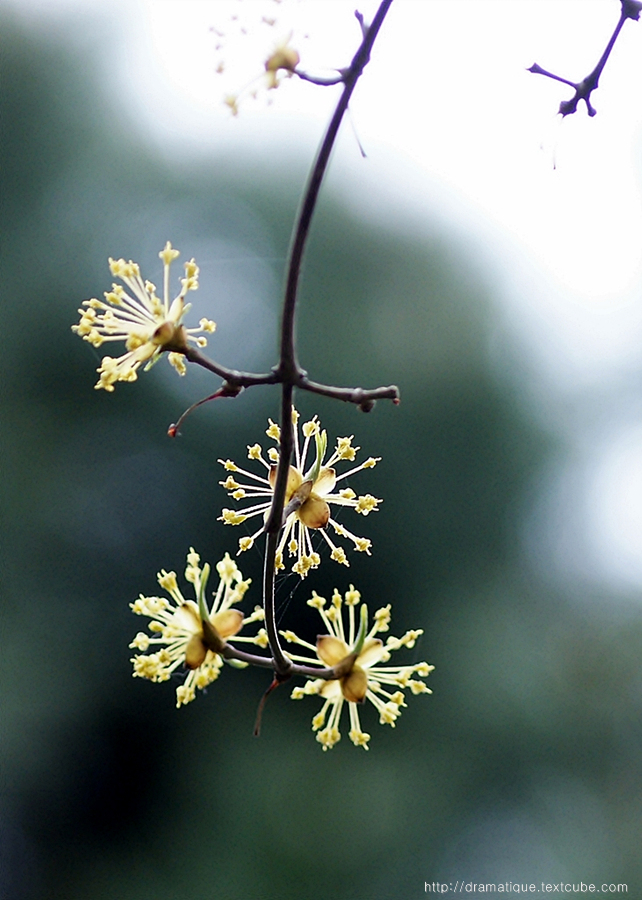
(365,400)
(289,371)
(228,651)
(288,361)
(235,380)
(583,89)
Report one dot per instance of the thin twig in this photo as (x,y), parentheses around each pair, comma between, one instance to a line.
(273,525)
(232,377)
(365,400)
(326,81)
(235,382)
(267,662)
(289,369)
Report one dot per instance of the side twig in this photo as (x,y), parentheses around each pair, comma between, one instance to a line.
(326,81)
(234,382)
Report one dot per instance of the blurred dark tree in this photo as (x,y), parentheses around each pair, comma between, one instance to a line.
(524,764)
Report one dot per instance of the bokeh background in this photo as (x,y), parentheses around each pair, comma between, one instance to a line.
(526,762)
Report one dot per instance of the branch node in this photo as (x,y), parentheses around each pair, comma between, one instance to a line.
(631,9)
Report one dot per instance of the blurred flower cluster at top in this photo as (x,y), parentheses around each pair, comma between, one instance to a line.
(257,47)
(260,44)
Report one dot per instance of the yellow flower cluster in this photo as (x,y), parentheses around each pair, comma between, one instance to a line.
(193,636)
(358,658)
(266,31)
(311,490)
(148,326)
(188,633)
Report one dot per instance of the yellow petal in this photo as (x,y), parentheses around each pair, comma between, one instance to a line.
(283,58)
(331,650)
(176,310)
(195,652)
(228,622)
(187,618)
(373,652)
(295,479)
(325,482)
(355,685)
(314,513)
(330,690)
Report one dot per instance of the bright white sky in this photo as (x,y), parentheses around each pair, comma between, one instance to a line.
(454,127)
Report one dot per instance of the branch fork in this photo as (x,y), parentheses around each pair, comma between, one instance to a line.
(630,9)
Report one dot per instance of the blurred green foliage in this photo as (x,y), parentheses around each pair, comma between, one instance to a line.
(523,765)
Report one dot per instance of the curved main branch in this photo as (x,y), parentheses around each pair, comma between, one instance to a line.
(361,58)
(288,371)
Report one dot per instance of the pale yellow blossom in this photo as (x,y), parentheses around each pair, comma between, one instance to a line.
(184,632)
(311,490)
(148,325)
(257,49)
(357,655)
